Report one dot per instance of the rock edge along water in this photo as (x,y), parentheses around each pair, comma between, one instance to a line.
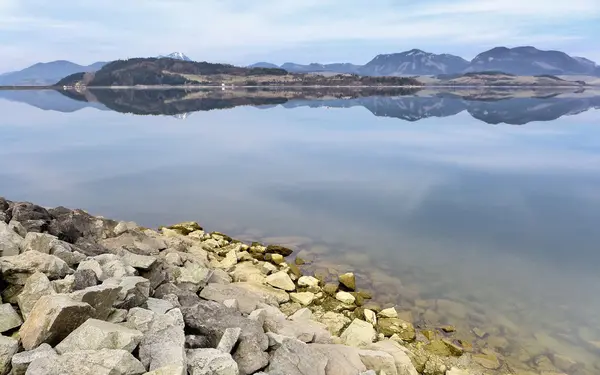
(107,297)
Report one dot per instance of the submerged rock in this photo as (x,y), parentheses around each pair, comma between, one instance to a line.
(281,250)
(395,326)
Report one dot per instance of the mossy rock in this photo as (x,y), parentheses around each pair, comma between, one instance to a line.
(429,334)
(224,236)
(277,249)
(488,360)
(372,306)
(391,326)
(185,228)
(365,295)
(330,288)
(448,329)
(358,299)
(276,259)
(348,280)
(332,304)
(359,313)
(299,261)
(295,270)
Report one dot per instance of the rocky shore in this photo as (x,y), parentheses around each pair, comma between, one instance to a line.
(88,295)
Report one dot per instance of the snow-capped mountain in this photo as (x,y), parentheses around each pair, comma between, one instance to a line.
(176,56)
(414,62)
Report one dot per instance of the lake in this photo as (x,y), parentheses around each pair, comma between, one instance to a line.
(474,209)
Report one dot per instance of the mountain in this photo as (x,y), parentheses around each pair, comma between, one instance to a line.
(176,56)
(530,61)
(42,74)
(414,62)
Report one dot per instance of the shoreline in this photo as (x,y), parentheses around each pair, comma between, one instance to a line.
(189,270)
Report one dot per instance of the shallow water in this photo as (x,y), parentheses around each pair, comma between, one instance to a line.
(436,203)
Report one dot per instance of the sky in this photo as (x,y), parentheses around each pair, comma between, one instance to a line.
(243,32)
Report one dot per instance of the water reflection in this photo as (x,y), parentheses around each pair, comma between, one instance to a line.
(478,226)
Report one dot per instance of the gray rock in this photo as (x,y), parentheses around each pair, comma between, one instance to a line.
(52,319)
(36,286)
(197,342)
(404,365)
(88,362)
(140,319)
(134,242)
(10,242)
(266,292)
(117,316)
(192,277)
(163,343)
(229,339)
(44,243)
(100,297)
(20,361)
(301,315)
(34,218)
(335,322)
(210,362)
(368,372)
(212,319)
(275,340)
(18,228)
(232,304)
(294,357)
(96,334)
(93,265)
(169,370)
(135,291)
(124,226)
(9,319)
(341,359)
(359,333)
(303,330)
(16,269)
(8,348)
(378,361)
(84,278)
(142,262)
(73,225)
(247,296)
(72,258)
(185,297)
(172,299)
(281,280)
(219,277)
(113,267)
(159,306)
(63,286)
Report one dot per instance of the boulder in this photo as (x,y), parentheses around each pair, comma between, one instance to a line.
(8,348)
(20,361)
(378,361)
(63,286)
(94,266)
(140,319)
(404,365)
(134,292)
(301,315)
(345,297)
(100,297)
(294,357)
(10,242)
(248,272)
(210,362)
(192,277)
(84,278)
(134,242)
(212,319)
(44,243)
(18,228)
(388,313)
(370,317)
(248,295)
(17,268)
(305,330)
(169,370)
(281,280)
(341,359)
(124,226)
(335,322)
(275,258)
(141,262)
(88,362)
(303,298)
(158,306)
(117,316)
(113,267)
(220,277)
(96,334)
(348,280)
(9,319)
(197,342)
(36,286)
(276,249)
(308,282)
(185,228)
(229,339)
(185,297)
(230,260)
(396,326)
(359,333)
(33,217)
(52,319)
(163,343)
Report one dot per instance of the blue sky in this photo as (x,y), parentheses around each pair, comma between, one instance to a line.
(242,31)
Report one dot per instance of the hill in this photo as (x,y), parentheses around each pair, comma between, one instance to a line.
(156,72)
(41,74)
(414,62)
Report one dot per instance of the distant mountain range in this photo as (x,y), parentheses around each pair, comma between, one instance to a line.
(411,105)
(518,61)
(49,73)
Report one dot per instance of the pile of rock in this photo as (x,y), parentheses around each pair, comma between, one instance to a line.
(87,295)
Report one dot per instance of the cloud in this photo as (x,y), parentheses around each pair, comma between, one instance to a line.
(232,30)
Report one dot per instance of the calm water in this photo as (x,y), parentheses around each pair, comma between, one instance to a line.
(477,213)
